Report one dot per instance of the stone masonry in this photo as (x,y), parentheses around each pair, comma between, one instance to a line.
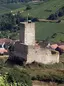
(26,49)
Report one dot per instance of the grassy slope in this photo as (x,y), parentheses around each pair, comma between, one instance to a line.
(3,10)
(38,10)
(13,6)
(6,8)
(43,29)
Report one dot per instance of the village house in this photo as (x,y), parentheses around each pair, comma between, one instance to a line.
(57,46)
(4,42)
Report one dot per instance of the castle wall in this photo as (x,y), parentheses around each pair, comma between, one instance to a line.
(32,53)
(42,55)
(19,52)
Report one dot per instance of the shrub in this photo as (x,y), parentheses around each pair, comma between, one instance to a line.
(34,19)
(57,14)
(19,77)
(52,17)
(61,13)
(28,7)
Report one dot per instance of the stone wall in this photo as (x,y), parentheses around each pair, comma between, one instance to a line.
(27,33)
(42,55)
(32,53)
(19,51)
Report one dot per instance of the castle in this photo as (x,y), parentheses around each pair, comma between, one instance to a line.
(27,50)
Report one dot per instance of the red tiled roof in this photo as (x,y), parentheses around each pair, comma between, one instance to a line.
(54,46)
(61,47)
(5,40)
(3,50)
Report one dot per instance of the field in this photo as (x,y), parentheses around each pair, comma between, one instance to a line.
(44,30)
(40,10)
(7,8)
(43,10)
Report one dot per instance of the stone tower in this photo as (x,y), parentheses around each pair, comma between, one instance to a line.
(27,33)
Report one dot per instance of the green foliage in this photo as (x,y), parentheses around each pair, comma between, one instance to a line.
(15,77)
(28,7)
(20,77)
(46,30)
(49,77)
(57,37)
(58,13)
(54,72)
(39,10)
(47,66)
(2,81)
(8,25)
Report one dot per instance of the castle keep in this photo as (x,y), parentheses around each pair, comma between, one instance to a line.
(27,33)
(26,48)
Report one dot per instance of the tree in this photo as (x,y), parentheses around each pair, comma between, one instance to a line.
(19,77)
(52,17)
(61,13)
(28,7)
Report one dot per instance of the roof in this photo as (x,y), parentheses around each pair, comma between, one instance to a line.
(5,40)
(54,46)
(61,47)
(3,50)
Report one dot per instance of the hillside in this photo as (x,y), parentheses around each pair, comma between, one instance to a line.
(44,9)
(39,10)
(7,8)
(46,30)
